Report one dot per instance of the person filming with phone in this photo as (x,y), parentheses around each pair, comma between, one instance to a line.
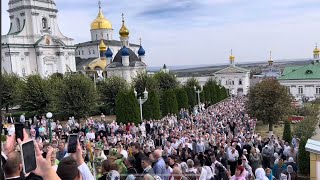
(27,163)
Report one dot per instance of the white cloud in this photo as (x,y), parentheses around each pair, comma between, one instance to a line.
(202,35)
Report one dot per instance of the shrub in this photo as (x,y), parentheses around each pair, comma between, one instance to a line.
(287,132)
(303,157)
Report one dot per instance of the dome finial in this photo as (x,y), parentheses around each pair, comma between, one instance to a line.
(124,32)
(231,57)
(270,58)
(100,22)
(316,50)
(140,41)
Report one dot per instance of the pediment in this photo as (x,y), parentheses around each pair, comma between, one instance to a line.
(231,70)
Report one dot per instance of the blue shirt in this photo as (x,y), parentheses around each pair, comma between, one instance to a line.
(159,168)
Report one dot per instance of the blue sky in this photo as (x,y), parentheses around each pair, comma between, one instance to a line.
(193,32)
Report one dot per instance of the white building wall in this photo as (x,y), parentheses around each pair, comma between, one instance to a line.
(308,86)
(98,34)
(226,81)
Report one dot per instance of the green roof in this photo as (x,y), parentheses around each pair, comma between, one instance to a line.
(310,71)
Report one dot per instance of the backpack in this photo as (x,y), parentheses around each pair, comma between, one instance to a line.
(191,175)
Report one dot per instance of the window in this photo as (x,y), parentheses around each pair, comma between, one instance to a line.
(79,52)
(226,82)
(23,72)
(300,90)
(232,82)
(318,90)
(82,52)
(89,52)
(240,81)
(219,82)
(96,36)
(44,23)
(288,88)
(18,24)
(93,52)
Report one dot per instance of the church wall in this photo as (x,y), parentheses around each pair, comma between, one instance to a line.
(226,81)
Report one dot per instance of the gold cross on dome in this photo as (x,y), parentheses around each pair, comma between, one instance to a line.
(99,3)
(122,17)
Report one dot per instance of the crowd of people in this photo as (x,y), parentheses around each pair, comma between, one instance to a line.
(211,143)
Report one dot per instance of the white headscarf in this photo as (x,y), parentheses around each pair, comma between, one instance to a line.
(260,174)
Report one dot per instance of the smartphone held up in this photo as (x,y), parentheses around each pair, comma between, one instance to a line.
(28,156)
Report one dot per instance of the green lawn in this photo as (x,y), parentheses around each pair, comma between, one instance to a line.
(263,129)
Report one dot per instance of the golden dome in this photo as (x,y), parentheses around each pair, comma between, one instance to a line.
(100,22)
(102,46)
(124,31)
(231,57)
(316,50)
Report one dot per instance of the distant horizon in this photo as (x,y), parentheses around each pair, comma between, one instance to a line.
(189,32)
(178,67)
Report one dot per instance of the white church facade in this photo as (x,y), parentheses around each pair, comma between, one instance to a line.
(34,43)
(235,79)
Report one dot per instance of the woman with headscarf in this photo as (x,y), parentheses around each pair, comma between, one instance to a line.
(269,174)
(260,174)
(291,175)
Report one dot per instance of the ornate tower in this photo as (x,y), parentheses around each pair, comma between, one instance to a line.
(34,43)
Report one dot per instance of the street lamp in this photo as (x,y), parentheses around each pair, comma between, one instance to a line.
(141,100)
(49,116)
(198,92)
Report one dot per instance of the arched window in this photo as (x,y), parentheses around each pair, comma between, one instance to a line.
(93,52)
(79,52)
(44,23)
(23,72)
(89,52)
(18,24)
(240,81)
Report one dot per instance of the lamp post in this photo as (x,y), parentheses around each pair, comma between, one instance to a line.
(198,92)
(141,100)
(49,116)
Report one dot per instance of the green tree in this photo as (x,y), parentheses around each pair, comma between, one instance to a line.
(303,157)
(109,89)
(169,103)
(191,96)
(78,96)
(55,83)
(212,93)
(287,132)
(269,101)
(143,81)
(127,107)
(166,81)
(35,94)
(10,87)
(189,86)
(207,93)
(182,98)
(151,108)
